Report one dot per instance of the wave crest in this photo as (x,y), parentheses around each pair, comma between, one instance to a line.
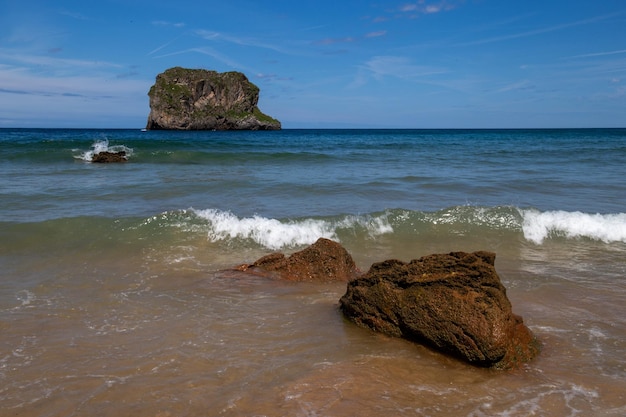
(538,226)
(103,146)
(531,224)
(275,234)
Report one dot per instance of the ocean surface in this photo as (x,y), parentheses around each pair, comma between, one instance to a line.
(116,296)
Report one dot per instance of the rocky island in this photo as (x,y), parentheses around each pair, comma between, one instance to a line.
(198,99)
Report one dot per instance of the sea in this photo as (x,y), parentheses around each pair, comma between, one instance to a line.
(118,295)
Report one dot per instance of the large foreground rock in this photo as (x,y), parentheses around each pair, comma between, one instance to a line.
(323,261)
(197,99)
(453,302)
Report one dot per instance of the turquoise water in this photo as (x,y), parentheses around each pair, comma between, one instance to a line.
(113,284)
(299,173)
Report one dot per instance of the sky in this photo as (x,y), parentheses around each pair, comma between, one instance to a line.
(322,64)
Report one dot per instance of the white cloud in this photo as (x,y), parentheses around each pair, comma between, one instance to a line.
(42,90)
(516,86)
(376,34)
(426,7)
(52,63)
(400,67)
(540,31)
(76,103)
(26,82)
(243,41)
(74,15)
(408,8)
(209,52)
(166,23)
(332,41)
(595,54)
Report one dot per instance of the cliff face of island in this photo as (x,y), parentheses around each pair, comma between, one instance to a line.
(197,99)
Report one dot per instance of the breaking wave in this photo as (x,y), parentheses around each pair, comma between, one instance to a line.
(538,226)
(275,234)
(535,226)
(102,146)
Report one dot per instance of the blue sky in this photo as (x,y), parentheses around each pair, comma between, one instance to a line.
(322,64)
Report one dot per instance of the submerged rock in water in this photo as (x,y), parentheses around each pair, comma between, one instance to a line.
(323,261)
(106,157)
(453,302)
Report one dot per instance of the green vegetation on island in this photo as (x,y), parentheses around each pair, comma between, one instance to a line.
(198,99)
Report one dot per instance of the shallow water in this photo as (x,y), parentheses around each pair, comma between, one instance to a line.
(116,296)
(145,335)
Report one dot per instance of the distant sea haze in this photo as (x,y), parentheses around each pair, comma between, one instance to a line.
(114,296)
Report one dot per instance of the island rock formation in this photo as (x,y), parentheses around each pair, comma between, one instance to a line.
(453,302)
(197,99)
(323,261)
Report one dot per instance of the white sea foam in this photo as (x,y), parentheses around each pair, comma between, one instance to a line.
(26,297)
(373,225)
(275,234)
(533,400)
(538,226)
(103,146)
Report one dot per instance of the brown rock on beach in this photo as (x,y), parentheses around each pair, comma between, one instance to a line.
(323,261)
(452,302)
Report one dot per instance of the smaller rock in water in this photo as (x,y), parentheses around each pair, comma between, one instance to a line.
(107,157)
(323,261)
(453,302)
